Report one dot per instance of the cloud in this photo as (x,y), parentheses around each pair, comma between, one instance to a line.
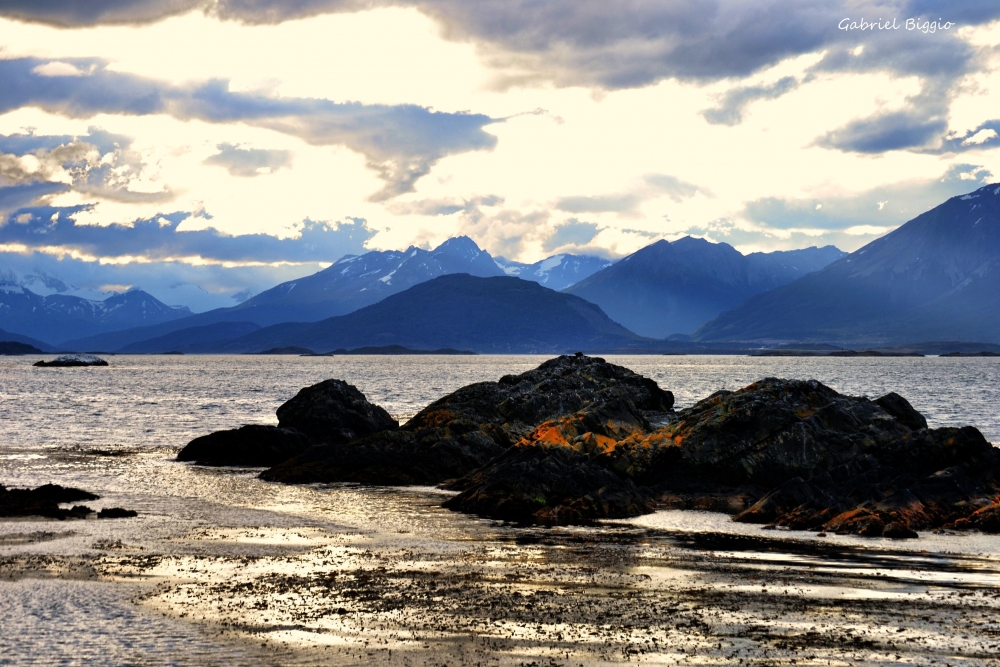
(443,206)
(400,142)
(733,104)
(68,13)
(883,207)
(621,203)
(17,196)
(652,186)
(199,287)
(161,239)
(886,132)
(571,233)
(593,42)
(98,164)
(249,161)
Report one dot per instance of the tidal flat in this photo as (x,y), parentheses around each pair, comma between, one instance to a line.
(222,568)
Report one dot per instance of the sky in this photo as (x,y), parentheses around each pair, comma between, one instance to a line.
(203,148)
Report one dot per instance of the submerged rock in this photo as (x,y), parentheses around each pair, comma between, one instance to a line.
(468,428)
(70,360)
(44,501)
(332,411)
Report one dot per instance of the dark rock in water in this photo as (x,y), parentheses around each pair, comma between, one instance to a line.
(467,428)
(44,501)
(253,445)
(984,353)
(71,360)
(116,513)
(334,411)
(330,412)
(790,453)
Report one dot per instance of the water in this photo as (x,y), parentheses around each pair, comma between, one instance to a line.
(115,430)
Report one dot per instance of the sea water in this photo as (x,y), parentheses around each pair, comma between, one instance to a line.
(115,431)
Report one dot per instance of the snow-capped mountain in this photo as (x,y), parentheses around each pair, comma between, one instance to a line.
(59,315)
(556,272)
(352,282)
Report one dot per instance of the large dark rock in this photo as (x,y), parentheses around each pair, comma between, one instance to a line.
(469,427)
(334,411)
(793,453)
(253,445)
(331,412)
(44,501)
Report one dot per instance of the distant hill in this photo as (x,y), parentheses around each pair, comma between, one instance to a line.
(463,312)
(937,277)
(185,339)
(9,347)
(352,282)
(556,272)
(11,337)
(673,288)
(58,316)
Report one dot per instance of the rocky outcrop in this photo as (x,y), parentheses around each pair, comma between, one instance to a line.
(472,426)
(253,445)
(331,412)
(71,360)
(791,453)
(334,411)
(44,501)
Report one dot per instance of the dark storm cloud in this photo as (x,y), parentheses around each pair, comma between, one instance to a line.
(160,239)
(401,143)
(249,161)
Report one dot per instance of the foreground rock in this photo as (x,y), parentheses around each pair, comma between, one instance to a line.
(332,411)
(790,453)
(70,360)
(253,445)
(472,426)
(44,501)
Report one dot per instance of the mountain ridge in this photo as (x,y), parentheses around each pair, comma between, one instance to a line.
(674,287)
(936,277)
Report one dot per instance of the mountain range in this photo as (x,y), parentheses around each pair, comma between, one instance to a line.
(487,315)
(58,316)
(937,277)
(673,288)
(352,282)
(557,272)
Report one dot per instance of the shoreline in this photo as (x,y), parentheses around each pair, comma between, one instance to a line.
(492,594)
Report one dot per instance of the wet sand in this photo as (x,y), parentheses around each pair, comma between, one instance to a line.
(477,592)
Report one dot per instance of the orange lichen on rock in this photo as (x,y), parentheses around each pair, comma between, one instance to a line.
(435,418)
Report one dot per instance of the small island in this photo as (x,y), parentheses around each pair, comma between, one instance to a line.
(72,360)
